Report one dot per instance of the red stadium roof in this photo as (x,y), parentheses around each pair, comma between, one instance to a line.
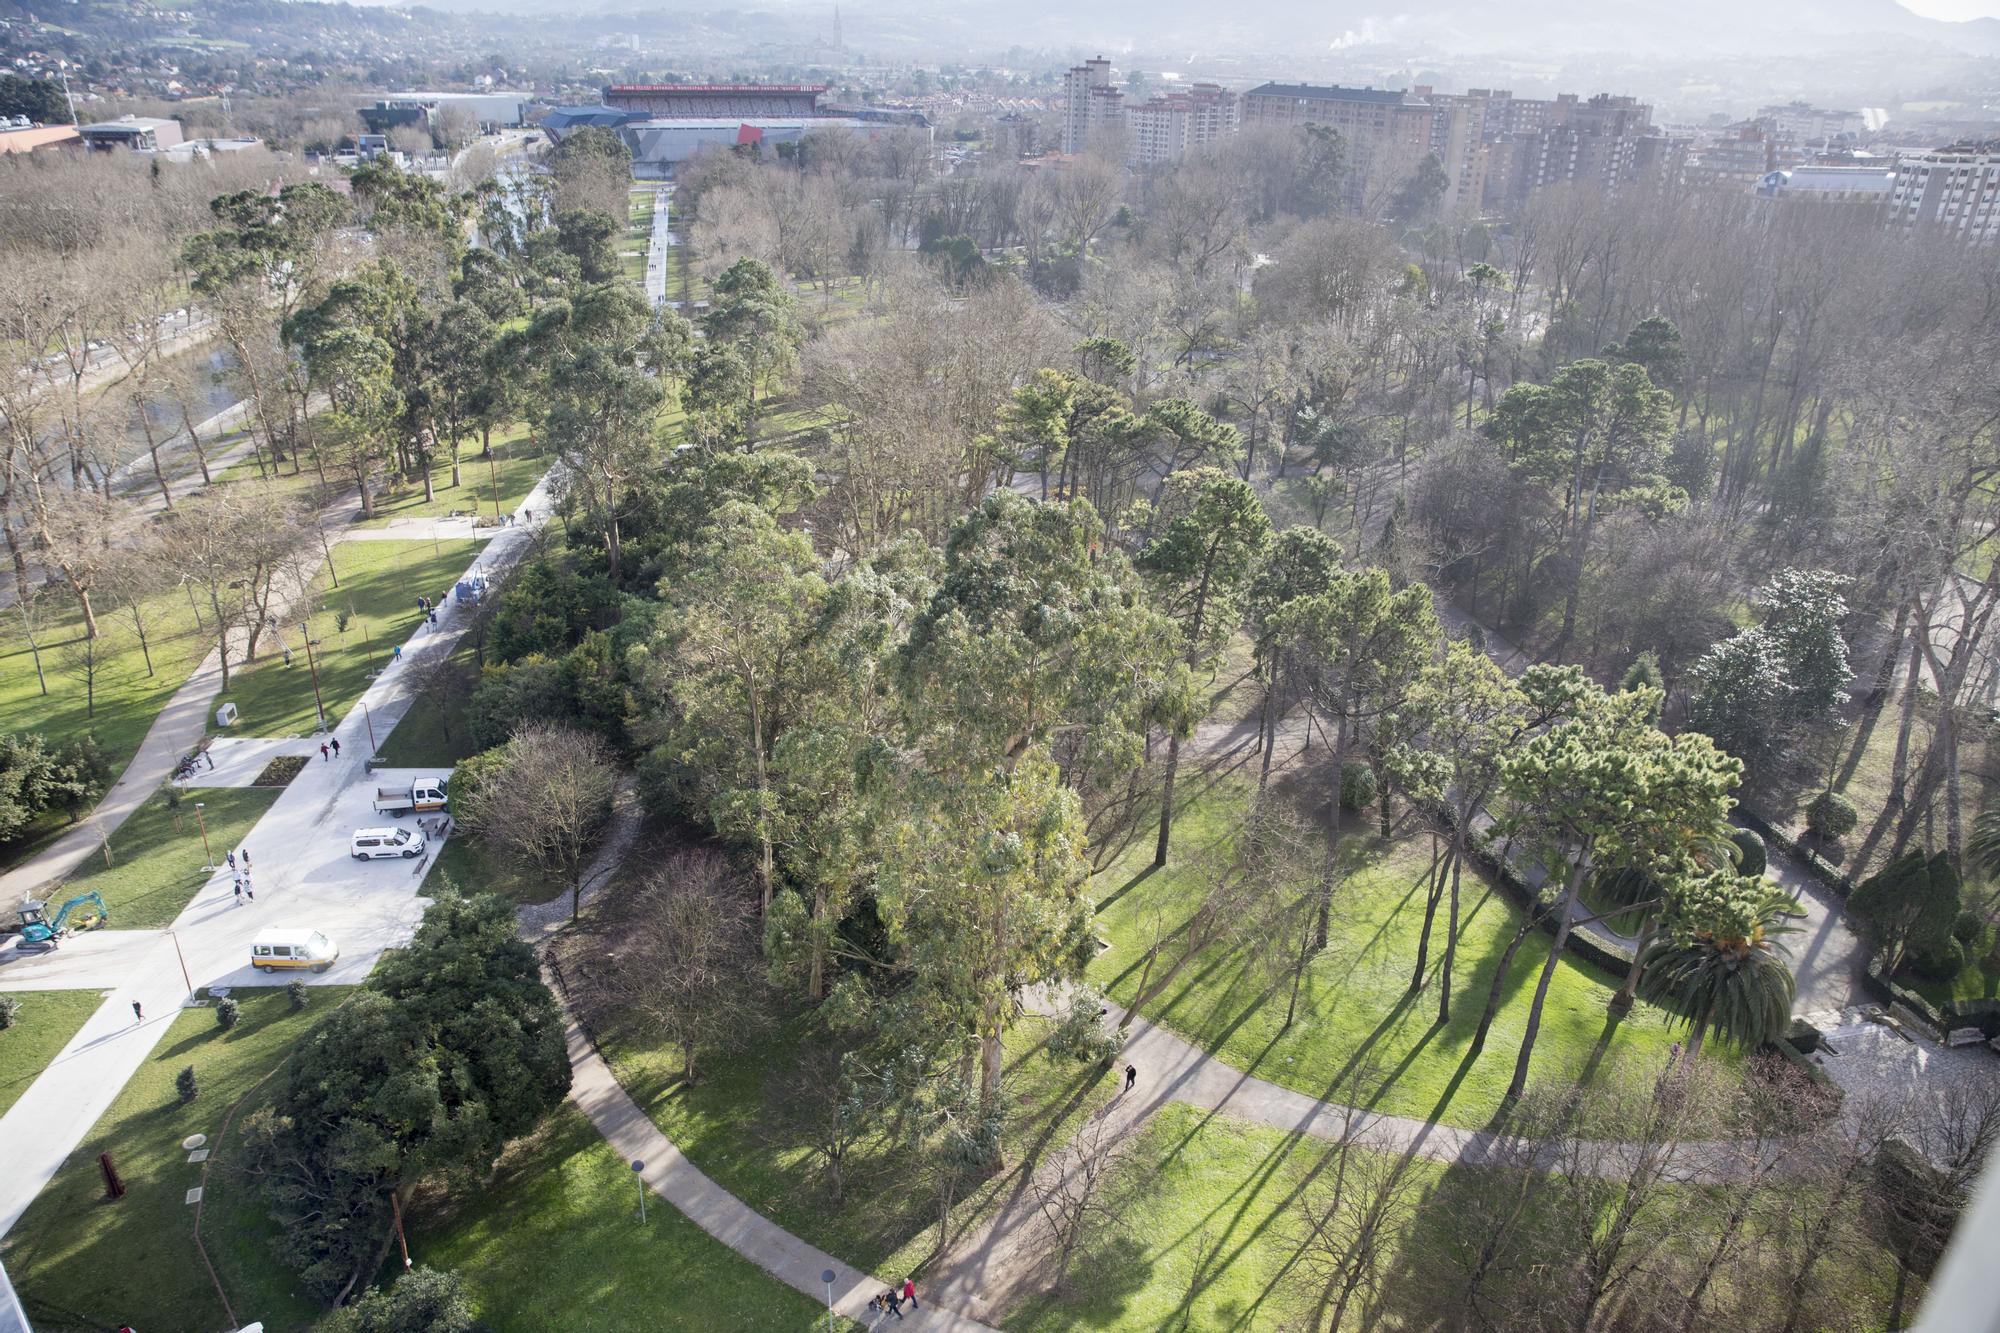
(716,88)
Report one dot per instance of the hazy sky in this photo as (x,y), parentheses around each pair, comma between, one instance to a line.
(1955,9)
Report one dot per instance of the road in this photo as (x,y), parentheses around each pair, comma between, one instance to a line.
(303,877)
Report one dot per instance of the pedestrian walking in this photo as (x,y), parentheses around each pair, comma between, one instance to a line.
(138,1014)
(910,1293)
(895,1301)
(232,862)
(249,892)
(334,741)
(211,760)
(434,619)
(1131,1076)
(423,606)
(325,753)
(246,860)
(397,656)
(239,890)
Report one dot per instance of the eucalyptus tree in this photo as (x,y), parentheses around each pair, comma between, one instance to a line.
(1209,529)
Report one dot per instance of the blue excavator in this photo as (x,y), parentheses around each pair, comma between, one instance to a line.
(40,931)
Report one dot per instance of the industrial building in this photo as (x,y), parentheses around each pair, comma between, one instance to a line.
(143,134)
(38,138)
(490,111)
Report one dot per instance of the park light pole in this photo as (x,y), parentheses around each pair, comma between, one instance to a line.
(827,1277)
(319,706)
(639,1180)
(368,718)
(207,855)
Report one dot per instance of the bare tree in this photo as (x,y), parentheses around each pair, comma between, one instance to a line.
(1069,1193)
(544,801)
(817,1105)
(687,963)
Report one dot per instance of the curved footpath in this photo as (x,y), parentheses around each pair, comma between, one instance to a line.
(977,1281)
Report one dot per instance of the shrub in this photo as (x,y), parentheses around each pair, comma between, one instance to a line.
(227,1014)
(1081,1035)
(184,1084)
(1969,929)
(422,1298)
(1751,857)
(1939,964)
(1357,786)
(298,995)
(1831,816)
(10,1008)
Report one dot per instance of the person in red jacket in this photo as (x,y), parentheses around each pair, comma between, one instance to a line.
(910,1292)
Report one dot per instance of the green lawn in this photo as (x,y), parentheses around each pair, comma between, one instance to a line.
(1355,1011)
(515,467)
(1189,1189)
(1197,1192)
(46,1022)
(99,1263)
(432,734)
(474,870)
(156,863)
(127,699)
(886,1223)
(377,593)
(554,1241)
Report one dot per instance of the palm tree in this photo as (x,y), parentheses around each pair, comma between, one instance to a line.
(1729,979)
(1709,849)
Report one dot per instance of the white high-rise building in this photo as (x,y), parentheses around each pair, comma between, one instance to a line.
(1089,101)
(1164,128)
(1954,189)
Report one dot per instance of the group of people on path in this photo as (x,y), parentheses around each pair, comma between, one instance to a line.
(891,1301)
(242,874)
(333,741)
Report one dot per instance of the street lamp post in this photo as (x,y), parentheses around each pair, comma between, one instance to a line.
(368,718)
(493,475)
(827,1277)
(319,706)
(207,855)
(637,1167)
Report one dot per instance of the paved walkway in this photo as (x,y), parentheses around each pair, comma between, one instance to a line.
(303,877)
(669,1174)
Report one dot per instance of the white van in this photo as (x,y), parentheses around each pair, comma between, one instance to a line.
(291,948)
(370,843)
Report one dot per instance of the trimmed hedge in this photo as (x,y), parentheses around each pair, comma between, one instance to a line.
(1821,869)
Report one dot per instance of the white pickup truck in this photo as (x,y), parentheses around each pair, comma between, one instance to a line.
(421,795)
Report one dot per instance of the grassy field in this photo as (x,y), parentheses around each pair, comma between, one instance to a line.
(78,1259)
(554,1240)
(127,698)
(433,734)
(1203,1227)
(46,1022)
(728,1124)
(515,467)
(1355,1009)
(156,861)
(377,595)
(473,870)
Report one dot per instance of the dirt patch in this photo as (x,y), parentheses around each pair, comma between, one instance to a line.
(280,771)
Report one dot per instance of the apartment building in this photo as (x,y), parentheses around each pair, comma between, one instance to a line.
(1165,127)
(1955,189)
(1388,131)
(1090,104)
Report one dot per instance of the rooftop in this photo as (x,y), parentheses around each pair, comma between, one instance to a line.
(1329,93)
